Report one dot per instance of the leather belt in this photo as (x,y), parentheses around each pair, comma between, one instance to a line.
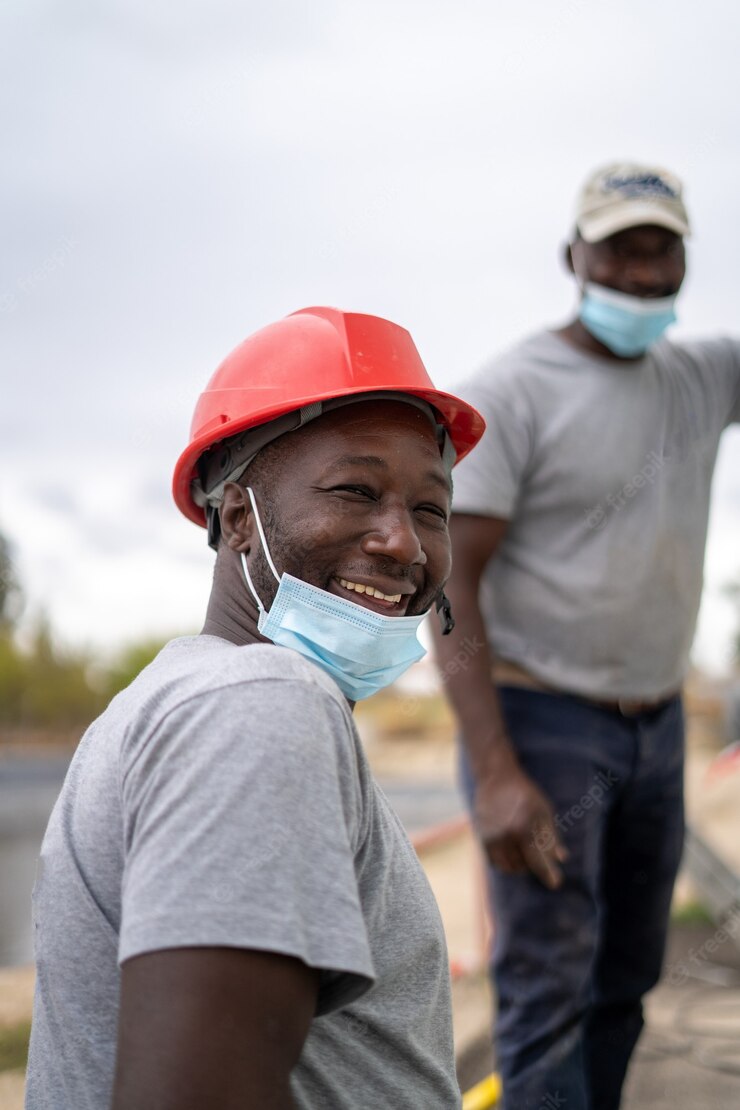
(506,673)
(630,707)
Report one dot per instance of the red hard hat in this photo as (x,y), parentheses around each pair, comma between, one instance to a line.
(312,355)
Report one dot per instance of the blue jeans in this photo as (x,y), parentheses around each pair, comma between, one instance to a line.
(570,966)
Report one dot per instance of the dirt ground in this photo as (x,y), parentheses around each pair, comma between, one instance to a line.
(12,1088)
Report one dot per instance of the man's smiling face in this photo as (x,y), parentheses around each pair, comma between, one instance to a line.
(642,261)
(356,503)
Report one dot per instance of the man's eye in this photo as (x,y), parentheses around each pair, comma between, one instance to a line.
(434,510)
(361,491)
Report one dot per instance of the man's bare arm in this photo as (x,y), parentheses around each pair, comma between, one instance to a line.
(215,1027)
(513,817)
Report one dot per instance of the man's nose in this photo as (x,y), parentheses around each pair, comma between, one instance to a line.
(395,536)
(646,276)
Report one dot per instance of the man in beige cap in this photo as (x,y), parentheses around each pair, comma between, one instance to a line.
(578,542)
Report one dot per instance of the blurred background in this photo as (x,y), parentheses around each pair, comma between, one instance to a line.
(177,175)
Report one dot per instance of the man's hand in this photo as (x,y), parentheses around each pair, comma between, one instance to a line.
(515,821)
(512,815)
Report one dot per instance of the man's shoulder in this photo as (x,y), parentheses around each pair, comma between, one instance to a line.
(213,678)
(519,381)
(544,344)
(542,351)
(201,705)
(207,663)
(706,372)
(708,353)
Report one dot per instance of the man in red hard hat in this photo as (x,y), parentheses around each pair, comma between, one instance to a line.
(221,883)
(578,543)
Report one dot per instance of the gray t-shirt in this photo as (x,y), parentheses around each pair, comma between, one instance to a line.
(603,469)
(224,799)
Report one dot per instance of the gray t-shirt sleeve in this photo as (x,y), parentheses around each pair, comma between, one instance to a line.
(734,376)
(717,365)
(488,480)
(242,813)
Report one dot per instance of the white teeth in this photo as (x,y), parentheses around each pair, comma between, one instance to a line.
(359,588)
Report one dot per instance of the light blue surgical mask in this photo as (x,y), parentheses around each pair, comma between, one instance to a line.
(361,650)
(626,325)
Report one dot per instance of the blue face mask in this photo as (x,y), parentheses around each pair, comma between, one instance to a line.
(361,650)
(626,325)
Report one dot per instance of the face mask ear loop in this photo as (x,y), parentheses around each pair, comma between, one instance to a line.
(261,531)
(266,550)
(250,584)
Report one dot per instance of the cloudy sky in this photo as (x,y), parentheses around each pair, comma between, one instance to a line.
(176,175)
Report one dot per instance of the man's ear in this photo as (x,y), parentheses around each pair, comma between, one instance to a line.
(237,519)
(567,257)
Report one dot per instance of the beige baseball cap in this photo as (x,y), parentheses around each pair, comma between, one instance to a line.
(627,194)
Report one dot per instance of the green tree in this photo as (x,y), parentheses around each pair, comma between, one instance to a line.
(56,688)
(127,664)
(11,596)
(45,686)
(12,679)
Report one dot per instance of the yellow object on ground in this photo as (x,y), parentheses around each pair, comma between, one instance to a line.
(483,1095)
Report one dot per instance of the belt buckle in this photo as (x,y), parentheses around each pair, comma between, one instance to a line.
(628,707)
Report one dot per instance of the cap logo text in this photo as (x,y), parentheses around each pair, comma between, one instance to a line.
(641,185)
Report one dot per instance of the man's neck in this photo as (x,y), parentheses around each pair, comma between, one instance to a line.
(232,613)
(226,627)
